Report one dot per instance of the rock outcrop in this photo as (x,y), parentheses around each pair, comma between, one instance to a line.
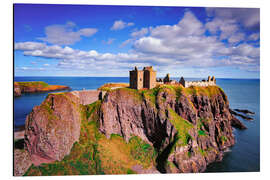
(35,86)
(190,128)
(53,127)
(22,162)
(17,89)
(187,127)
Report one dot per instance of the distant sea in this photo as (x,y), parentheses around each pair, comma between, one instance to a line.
(244,156)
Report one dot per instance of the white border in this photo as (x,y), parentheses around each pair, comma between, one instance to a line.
(6,85)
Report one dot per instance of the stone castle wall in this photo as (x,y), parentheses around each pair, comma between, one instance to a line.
(89,96)
(199,83)
(149,79)
(136,79)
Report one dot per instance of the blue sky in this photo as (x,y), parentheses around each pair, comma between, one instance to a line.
(88,40)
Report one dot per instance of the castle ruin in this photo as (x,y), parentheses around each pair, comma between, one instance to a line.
(146,78)
(210,82)
(140,79)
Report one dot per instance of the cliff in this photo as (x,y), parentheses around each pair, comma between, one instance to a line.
(189,127)
(35,86)
(168,129)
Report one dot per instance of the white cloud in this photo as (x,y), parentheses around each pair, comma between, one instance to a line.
(237,37)
(181,45)
(26,68)
(65,34)
(226,28)
(139,33)
(118,25)
(189,25)
(248,17)
(28,46)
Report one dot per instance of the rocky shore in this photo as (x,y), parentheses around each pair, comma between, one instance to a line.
(35,86)
(168,129)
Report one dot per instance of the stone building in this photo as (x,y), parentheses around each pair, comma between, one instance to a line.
(210,82)
(145,78)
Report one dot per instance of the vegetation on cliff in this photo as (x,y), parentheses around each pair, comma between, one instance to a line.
(111,86)
(168,128)
(35,86)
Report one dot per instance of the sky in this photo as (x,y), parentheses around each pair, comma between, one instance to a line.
(108,41)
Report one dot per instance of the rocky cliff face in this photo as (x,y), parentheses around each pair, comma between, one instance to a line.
(168,128)
(53,127)
(17,89)
(189,127)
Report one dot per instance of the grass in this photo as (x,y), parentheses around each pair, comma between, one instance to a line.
(201,133)
(200,126)
(150,94)
(33,83)
(38,86)
(110,86)
(223,139)
(197,90)
(182,126)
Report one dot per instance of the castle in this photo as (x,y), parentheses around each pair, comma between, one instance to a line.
(146,78)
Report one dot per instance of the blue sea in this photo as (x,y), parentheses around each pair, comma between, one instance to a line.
(244,156)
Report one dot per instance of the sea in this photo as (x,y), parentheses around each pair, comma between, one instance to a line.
(244,156)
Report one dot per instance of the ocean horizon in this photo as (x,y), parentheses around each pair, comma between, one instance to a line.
(199,78)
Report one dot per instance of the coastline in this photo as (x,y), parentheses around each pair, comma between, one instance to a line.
(236,131)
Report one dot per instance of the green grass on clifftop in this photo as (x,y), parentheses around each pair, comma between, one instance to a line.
(33,84)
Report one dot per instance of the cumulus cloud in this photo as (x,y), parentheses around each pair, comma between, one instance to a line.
(183,45)
(65,34)
(236,38)
(139,33)
(248,17)
(118,25)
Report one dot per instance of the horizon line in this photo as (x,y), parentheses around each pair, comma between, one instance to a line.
(128,77)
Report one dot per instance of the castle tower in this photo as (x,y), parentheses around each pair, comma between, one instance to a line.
(149,77)
(213,79)
(167,78)
(182,81)
(136,79)
(208,79)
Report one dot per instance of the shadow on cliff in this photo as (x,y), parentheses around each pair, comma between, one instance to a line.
(163,156)
(19,144)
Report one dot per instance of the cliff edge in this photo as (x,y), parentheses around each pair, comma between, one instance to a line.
(189,127)
(35,86)
(168,129)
